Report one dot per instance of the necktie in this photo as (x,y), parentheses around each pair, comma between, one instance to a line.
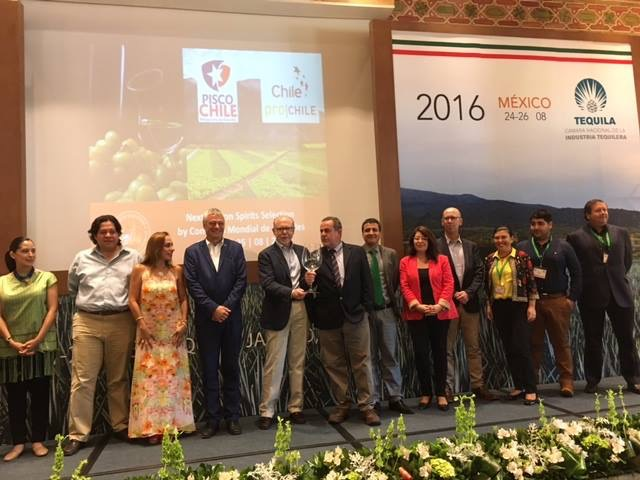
(378,296)
(334,267)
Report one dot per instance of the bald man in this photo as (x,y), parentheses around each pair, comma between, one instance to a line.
(467,267)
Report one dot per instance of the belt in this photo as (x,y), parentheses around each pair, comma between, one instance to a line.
(104,313)
(551,295)
(388,305)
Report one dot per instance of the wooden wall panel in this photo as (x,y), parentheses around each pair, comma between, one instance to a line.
(13,219)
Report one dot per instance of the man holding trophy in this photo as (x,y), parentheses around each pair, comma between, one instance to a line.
(284,320)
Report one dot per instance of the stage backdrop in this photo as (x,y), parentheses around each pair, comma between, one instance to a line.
(499,126)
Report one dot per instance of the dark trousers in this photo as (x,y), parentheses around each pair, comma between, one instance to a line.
(219,345)
(511,320)
(430,334)
(38,389)
(622,324)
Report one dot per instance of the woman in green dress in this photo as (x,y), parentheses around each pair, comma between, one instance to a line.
(28,308)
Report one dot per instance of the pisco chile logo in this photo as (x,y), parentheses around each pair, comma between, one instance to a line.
(591,97)
(216,74)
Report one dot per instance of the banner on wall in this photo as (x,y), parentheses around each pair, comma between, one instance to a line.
(513,122)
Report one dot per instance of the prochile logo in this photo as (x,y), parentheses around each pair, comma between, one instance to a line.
(591,97)
(217,106)
(288,99)
(297,89)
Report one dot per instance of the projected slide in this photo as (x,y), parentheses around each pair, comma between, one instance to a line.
(239,130)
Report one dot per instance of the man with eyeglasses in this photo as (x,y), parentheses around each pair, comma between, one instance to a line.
(468,270)
(285,322)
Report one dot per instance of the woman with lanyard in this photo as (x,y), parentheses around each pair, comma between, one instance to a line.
(28,307)
(511,304)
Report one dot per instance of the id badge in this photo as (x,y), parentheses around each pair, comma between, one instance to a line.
(539,272)
(499,290)
(605,257)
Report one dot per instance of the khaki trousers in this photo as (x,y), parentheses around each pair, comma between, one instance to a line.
(100,341)
(289,343)
(554,316)
(469,323)
(344,346)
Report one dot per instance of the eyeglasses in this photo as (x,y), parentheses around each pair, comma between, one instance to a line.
(284,229)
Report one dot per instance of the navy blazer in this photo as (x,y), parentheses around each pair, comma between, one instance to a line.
(334,305)
(473,277)
(211,288)
(275,279)
(602,280)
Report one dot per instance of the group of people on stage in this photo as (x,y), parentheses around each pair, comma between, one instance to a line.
(125,300)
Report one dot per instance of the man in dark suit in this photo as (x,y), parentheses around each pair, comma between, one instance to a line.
(216,275)
(284,320)
(605,255)
(339,311)
(468,270)
(383,321)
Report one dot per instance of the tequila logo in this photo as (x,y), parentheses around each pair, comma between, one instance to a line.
(591,96)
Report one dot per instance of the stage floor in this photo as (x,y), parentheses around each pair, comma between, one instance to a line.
(111,459)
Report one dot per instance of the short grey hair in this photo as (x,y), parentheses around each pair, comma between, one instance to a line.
(211,211)
(283,217)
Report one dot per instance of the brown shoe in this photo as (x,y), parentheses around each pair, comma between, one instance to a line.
(39,450)
(338,415)
(483,394)
(72,447)
(370,417)
(14,453)
(297,417)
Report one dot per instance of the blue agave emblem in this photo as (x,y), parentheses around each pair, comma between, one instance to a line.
(590,95)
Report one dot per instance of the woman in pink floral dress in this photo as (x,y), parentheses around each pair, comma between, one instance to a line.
(161,388)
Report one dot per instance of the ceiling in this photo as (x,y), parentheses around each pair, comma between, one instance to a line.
(352,9)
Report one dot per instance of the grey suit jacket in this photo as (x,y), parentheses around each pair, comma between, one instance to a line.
(601,281)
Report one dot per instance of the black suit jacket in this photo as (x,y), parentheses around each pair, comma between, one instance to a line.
(602,280)
(473,272)
(334,305)
(276,283)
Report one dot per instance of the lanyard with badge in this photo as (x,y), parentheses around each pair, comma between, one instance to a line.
(499,289)
(605,243)
(539,271)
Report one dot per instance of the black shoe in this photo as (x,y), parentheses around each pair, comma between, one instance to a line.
(297,417)
(591,388)
(515,396)
(72,447)
(209,430)
(442,406)
(633,388)
(264,423)
(233,427)
(122,435)
(400,407)
(426,403)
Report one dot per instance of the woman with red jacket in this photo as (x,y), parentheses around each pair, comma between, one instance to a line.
(427,287)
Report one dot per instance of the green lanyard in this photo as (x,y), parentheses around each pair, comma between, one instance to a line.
(537,252)
(500,271)
(604,240)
